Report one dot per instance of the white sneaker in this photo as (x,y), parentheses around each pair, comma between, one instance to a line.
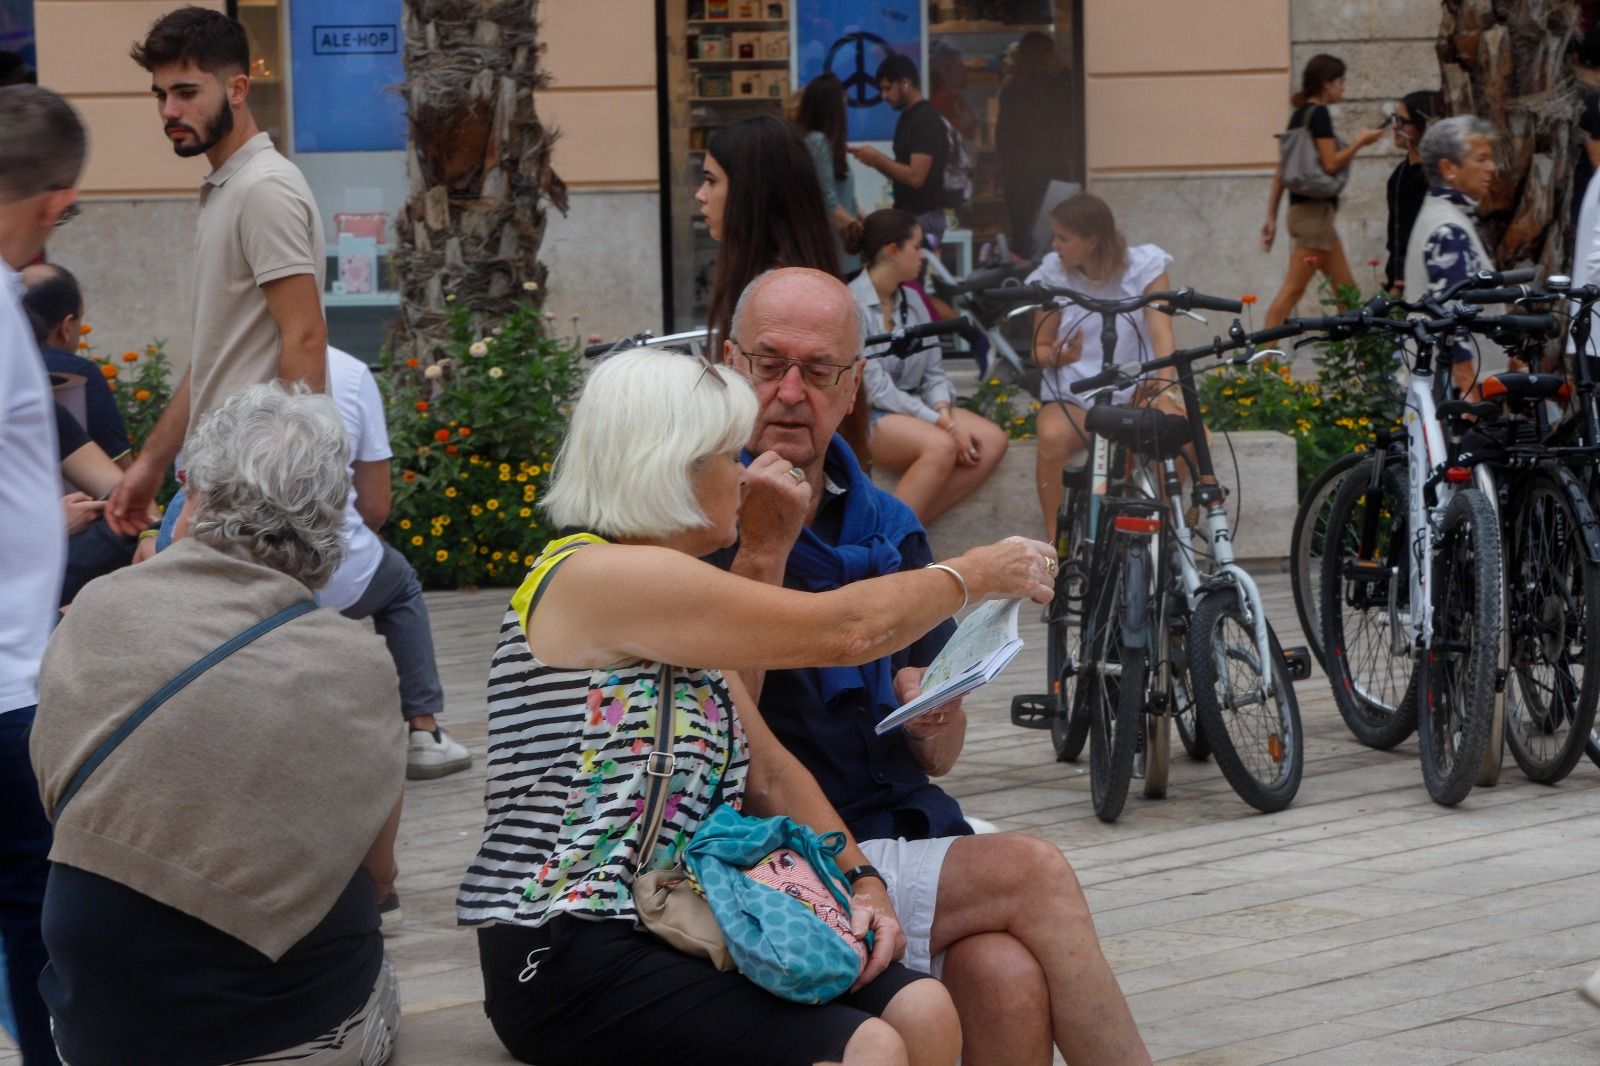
(1591,989)
(430,755)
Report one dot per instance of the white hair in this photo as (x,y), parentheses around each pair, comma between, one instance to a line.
(1451,138)
(644,420)
(268,473)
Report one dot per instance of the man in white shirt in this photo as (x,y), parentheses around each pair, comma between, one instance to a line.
(42,148)
(375,581)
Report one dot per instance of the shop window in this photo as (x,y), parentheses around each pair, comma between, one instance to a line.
(19,60)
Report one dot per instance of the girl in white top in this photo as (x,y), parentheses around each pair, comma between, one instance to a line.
(942,451)
(1089,256)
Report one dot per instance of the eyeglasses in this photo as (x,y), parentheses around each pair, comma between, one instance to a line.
(72,212)
(773,368)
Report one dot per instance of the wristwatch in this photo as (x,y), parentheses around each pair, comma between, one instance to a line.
(856,873)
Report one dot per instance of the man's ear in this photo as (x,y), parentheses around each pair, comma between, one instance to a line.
(727,351)
(237,88)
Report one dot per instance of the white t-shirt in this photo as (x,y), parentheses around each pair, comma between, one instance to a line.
(34,558)
(356,395)
(1146,263)
(1586,254)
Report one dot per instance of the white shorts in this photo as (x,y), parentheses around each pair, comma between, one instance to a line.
(911,868)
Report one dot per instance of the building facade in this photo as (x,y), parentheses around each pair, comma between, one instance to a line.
(1178,104)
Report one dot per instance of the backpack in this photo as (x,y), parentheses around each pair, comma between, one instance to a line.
(959,168)
(1302,165)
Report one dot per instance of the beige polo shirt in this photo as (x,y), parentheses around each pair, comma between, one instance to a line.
(258,223)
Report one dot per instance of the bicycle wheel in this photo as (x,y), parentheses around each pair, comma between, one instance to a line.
(1247,707)
(1365,614)
(1456,688)
(1114,679)
(1069,722)
(1157,741)
(1305,548)
(1554,632)
(1184,715)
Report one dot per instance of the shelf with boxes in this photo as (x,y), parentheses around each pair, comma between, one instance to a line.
(742,64)
(701,11)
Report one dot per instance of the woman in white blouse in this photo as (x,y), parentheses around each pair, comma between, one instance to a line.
(942,451)
(1090,256)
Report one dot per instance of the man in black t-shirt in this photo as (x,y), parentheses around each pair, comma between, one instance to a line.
(920,147)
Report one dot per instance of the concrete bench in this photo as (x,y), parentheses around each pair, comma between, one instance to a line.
(1006,504)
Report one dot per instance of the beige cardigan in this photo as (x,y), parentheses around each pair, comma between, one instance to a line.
(249,798)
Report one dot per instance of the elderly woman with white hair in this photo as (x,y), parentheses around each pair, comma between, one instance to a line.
(648,481)
(223,765)
(1458,161)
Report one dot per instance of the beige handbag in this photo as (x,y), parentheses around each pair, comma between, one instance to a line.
(668,902)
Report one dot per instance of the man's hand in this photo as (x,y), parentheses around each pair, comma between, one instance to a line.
(129,508)
(82,510)
(870,909)
(773,509)
(868,155)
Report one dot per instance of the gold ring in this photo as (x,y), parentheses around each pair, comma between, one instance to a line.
(796,473)
(1050,566)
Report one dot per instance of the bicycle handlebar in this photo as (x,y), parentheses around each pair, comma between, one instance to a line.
(1181,299)
(1129,372)
(899,341)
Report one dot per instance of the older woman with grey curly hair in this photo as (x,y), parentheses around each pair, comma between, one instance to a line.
(223,765)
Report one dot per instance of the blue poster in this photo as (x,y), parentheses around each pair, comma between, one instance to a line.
(347,72)
(849,38)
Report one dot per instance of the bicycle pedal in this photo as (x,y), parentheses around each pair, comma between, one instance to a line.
(1365,570)
(1297,661)
(1032,712)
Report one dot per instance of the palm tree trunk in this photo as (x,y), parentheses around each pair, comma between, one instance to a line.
(479,166)
(1506,61)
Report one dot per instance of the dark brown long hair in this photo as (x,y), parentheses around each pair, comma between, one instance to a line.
(1320,70)
(772,215)
(1090,216)
(822,110)
(885,228)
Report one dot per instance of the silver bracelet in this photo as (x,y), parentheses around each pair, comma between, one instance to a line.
(959,580)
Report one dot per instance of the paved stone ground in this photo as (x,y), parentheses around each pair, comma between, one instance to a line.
(1362,925)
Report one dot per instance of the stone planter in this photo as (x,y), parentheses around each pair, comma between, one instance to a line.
(1007,505)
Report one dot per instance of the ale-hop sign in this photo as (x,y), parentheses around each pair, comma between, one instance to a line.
(344,76)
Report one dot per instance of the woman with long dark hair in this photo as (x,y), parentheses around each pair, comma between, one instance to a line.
(1314,242)
(1408,185)
(822,117)
(761,201)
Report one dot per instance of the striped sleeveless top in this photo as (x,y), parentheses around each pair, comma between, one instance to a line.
(566,781)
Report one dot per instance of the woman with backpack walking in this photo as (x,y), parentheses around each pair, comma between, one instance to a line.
(1313,166)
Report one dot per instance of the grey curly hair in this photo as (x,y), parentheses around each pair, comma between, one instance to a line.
(269,474)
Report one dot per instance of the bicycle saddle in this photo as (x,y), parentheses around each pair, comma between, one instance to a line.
(1143,430)
(1522,386)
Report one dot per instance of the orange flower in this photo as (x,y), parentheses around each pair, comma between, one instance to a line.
(422,405)
(465,431)
(142,395)
(108,370)
(413,363)
(1248,299)
(83,346)
(451,449)
(85,329)
(442,435)
(409,476)
(130,357)
(1373,262)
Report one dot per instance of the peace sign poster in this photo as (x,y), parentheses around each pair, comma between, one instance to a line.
(850,38)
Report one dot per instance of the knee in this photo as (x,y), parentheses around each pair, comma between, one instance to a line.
(989,961)
(875,1043)
(924,1017)
(1037,878)
(941,450)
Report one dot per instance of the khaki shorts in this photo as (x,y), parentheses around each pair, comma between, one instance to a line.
(1311,225)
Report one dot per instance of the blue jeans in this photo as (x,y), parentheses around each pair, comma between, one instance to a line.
(24,866)
(393,600)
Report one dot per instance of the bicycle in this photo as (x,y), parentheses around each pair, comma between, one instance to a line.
(1418,566)
(1108,584)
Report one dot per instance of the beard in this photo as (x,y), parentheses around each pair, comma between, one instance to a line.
(216,129)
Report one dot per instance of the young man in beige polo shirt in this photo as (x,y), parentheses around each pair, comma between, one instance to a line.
(259,250)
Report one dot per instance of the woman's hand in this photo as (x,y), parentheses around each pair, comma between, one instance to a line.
(966,444)
(870,909)
(1009,569)
(1371,136)
(1269,233)
(1061,352)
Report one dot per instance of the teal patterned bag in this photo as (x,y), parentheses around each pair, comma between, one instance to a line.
(776,938)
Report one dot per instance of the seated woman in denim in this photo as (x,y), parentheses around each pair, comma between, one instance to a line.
(651,473)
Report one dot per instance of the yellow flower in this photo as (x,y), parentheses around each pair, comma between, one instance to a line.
(492,503)
(416,541)
(496,555)
(440,556)
(450,490)
(405,523)
(525,512)
(521,477)
(1227,392)
(1246,401)
(504,467)
(512,556)
(476,510)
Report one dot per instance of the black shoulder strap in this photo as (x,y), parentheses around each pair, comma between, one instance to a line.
(172,688)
